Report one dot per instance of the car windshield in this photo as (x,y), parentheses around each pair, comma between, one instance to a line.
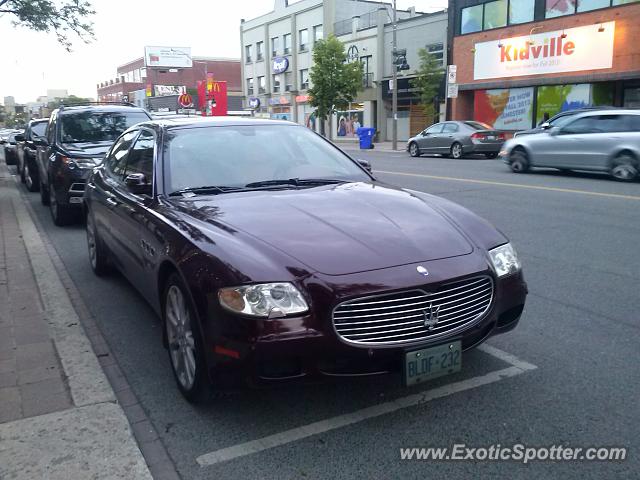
(479,125)
(97,127)
(237,156)
(38,129)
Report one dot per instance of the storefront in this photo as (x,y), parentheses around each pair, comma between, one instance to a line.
(280,108)
(306,113)
(514,77)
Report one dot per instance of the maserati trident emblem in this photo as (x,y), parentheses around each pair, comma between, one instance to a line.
(422,271)
(431,316)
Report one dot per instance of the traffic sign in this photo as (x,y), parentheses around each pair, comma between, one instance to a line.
(452,90)
(185,100)
(452,73)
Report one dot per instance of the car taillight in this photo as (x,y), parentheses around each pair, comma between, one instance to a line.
(502,136)
(477,136)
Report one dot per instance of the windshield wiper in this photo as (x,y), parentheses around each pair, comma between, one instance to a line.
(206,189)
(295,182)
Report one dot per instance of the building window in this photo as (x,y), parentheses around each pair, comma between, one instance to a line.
(275,46)
(287,43)
(247,53)
(436,50)
(276,83)
(288,82)
(249,86)
(304,39)
(471,19)
(261,85)
(623,2)
(586,5)
(259,51)
(521,11)
(367,79)
(304,79)
(318,33)
(559,8)
(495,14)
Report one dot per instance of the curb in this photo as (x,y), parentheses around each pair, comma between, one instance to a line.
(94,375)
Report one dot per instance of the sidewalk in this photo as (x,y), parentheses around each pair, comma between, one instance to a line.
(58,413)
(380,146)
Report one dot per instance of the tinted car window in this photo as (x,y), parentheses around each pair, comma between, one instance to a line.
(583,125)
(115,162)
(437,128)
(632,123)
(38,129)
(97,126)
(238,155)
(51,128)
(140,158)
(450,128)
(560,121)
(479,125)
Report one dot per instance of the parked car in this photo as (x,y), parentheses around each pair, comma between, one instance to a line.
(457,139)
(27,165)
(556,121)
(603,140)
(76,140)
(272,255)
(10,145)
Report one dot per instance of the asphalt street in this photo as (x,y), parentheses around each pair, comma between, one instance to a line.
(577,236)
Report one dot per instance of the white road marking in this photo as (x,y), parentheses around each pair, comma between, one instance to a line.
(517,367)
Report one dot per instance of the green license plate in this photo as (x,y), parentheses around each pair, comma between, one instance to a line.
(433,362)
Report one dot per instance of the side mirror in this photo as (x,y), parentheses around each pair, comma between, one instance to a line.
(40,142)
(3,141)
(19,138)
(137,183)
(545,125)
(425,133)
(365,164)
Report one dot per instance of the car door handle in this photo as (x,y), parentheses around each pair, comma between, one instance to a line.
(91,185)
(112,202)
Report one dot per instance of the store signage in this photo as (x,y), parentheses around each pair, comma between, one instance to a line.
(168,57)
(280,65)
(575,49)
(302,98)
(163,90)
(254,102)
(279,101)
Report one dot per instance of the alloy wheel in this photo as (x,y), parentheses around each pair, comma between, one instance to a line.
(413,150)
(624,169)
(182,347)
(456,150)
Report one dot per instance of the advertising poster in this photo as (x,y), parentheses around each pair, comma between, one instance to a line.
(558,98)
(505,109)
(349,122)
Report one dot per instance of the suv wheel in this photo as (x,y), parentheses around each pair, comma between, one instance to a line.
(44,194)
(97,252)
(61,214)
(28,179)
(20,169)
(185,345)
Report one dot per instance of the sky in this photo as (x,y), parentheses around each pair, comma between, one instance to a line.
(33,62)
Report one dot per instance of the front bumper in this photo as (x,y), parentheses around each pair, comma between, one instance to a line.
(69,186)
(307,347)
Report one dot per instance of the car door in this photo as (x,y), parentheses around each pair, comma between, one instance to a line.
(43,150)
(106,180)
(428,138)
(132,214)
(447,137)
(578,144)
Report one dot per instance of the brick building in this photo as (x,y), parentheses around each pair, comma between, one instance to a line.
(518,60)
(139,81)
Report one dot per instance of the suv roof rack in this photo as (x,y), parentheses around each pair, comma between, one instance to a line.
(83,104)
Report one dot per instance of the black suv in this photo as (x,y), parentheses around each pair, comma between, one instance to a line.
(77,138)
(27,165)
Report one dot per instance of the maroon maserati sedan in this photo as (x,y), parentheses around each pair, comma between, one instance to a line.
(271,255)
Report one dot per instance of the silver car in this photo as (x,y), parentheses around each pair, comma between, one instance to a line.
(605,141)
(456,139)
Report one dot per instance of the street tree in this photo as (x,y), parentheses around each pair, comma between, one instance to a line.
(427,82)
(63,17)
(70,100)
(334,82)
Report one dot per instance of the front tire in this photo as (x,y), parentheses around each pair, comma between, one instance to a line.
(186,350)
(456,151)
(414,150)
(624,168)
(98,257)
(519,162)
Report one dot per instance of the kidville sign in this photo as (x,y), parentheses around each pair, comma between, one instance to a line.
(571,50)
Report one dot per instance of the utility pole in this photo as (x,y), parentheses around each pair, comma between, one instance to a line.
(394,93)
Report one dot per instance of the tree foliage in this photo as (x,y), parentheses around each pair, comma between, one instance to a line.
(429,77)
(70,100)
(334,82)
(63,17)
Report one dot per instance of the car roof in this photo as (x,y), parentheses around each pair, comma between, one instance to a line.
(38,120)
(199,122)
(608,111)
(64,110)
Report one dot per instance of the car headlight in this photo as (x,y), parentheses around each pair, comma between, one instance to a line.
(505,260)
(266,300)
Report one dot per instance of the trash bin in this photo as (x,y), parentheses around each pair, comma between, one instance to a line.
(366,137)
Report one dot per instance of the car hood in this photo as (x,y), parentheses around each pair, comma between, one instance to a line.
(87,149)
(337,229)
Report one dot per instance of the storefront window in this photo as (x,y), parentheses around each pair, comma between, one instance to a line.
(559,98)
(495,14)
(586,5)
(521,11)
(558,8)
(350,120)
(631,98)
(504,109)
(471,20)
